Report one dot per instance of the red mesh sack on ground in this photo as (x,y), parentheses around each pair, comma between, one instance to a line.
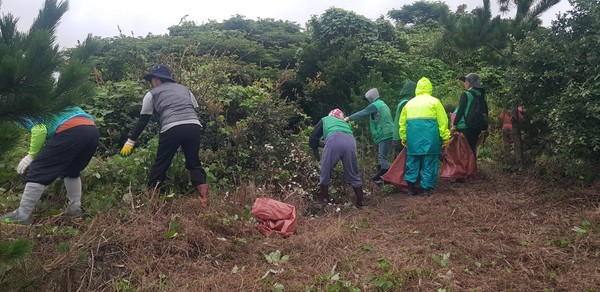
(458,159)
(395,174)
(274,217)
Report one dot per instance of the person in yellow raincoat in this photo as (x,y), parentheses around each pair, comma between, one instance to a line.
(423,131)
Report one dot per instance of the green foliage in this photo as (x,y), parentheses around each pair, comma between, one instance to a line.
(419,13)
(116,108)
(122,285)
(561,242)
(386,280)
(128,58)
(10,136)
(585,227)
(344,49)
(11,250)
(36,79)
(472,31)
(246,129)
(266,42)
(442,261)
(113,180)
(332,282)
(556,84)
(173,226)
(366,247)
(478,29)
(275,258)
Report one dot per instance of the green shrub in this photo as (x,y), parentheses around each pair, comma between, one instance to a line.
(116,109)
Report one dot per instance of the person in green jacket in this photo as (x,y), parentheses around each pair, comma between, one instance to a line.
(61,145)
(381,126)
(406,94)
(339,145)
(423,130)
(473,94)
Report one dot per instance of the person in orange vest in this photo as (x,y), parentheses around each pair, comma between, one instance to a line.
(507,121)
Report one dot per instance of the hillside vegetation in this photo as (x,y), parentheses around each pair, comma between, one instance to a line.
(529,221)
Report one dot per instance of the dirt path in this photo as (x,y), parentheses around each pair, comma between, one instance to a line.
(497,233)
(501,233)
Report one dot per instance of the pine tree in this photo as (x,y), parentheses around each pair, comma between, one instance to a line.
(478,28)
(11,250)
(36,78)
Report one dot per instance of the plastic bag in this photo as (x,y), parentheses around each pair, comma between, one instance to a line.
(395,174)
(274,217)
(458,159)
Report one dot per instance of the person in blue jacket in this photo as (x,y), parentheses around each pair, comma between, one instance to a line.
(423,130)
(61,146)
(381,126)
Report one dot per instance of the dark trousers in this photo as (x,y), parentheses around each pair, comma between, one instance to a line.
(472,136)
(65,154)
(188,138)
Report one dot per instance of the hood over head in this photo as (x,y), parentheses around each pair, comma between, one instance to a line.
(372,95)
(424,87)
(408,90)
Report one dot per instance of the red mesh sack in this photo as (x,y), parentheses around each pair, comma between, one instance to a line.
(274,217)
(458,159)
(395,174)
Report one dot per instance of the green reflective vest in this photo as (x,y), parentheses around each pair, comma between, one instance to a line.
(333,124)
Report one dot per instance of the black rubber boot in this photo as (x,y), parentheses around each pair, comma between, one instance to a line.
(427,192)
(411,188)
(360,195)
(376,177)
(324,195)
(379,180)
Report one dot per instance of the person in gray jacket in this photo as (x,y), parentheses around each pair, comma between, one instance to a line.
(175,106)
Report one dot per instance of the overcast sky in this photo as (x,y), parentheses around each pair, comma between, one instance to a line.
(140,17)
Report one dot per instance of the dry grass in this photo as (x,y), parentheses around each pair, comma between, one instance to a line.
(502,233)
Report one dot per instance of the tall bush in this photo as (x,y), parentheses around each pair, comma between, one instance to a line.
(556,80)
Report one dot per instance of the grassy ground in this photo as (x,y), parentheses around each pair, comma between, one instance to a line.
(497,233)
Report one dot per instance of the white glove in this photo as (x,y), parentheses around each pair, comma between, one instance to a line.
(25,162)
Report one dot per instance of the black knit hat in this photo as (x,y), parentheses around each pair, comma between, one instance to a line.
(160,71)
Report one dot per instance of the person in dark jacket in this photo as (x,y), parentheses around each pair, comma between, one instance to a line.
(61,146)
(339,145)
(406,94)
(175,106)
(473,89)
